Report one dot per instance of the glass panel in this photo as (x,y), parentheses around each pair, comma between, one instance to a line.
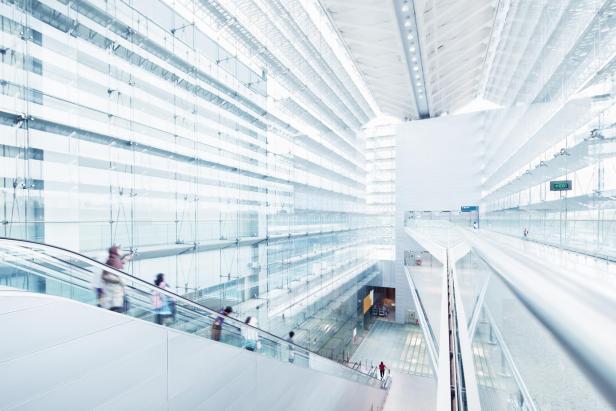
(152,127)
(515,355)
(53,271)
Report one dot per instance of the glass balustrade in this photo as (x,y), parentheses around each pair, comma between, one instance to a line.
(524,358)
(55,271)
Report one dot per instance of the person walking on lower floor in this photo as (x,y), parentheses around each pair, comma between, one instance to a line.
(382,369)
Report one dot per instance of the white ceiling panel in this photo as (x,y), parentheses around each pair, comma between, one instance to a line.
(371,32)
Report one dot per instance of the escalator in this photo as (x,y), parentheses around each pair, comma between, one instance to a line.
(31,272)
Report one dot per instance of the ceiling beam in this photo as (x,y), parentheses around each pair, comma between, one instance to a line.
(407,25)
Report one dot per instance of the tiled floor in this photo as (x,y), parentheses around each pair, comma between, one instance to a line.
(400,346)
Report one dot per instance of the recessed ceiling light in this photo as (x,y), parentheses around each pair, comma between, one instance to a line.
(418,83)
(415,68)
(407,22)
(410,36)
(412,49)
(417,76)
(414,59)
(405,7)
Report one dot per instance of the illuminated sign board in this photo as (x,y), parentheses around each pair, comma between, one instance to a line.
(368,301)
(561,185)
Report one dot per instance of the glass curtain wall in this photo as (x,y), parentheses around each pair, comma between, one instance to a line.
(557,124)
(582,218)
(381,155)
(173,129)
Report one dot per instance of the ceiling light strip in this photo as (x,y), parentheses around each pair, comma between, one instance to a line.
(407,24)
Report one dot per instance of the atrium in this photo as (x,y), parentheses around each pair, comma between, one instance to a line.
(308,205)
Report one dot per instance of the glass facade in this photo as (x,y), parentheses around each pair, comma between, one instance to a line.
(555,123)
(199,137)
(581,218)
(381,155)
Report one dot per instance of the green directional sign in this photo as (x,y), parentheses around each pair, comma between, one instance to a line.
(561,185)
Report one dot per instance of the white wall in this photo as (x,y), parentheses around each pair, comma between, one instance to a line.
(438,167)
(58,354)
(439,163)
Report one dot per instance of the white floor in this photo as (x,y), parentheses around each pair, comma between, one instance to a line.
(411,393)
(401,347)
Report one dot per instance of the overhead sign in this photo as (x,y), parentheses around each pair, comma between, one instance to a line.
(561,185)
(468,209)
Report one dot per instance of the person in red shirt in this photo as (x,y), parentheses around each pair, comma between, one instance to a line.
(382,369)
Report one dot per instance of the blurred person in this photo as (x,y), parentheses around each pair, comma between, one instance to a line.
(250,334)
(172,307)
(113,285)
(160,301)
(382,368)
(290,346)
(97,286)
(217,325)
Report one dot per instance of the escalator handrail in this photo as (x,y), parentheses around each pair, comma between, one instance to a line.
(32,245)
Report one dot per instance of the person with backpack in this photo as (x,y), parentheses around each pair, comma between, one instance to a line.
(217,325)
(160,302)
